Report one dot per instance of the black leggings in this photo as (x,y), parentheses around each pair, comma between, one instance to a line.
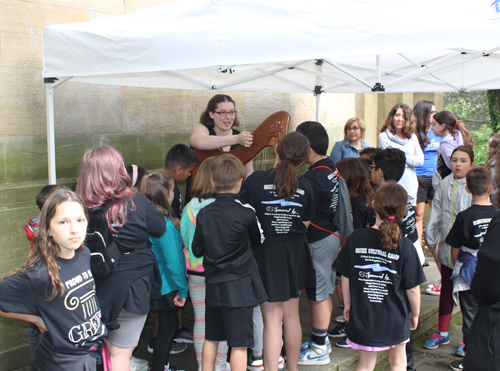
(168,322)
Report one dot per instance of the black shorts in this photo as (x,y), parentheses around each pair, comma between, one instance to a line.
(425,189)
(232,324)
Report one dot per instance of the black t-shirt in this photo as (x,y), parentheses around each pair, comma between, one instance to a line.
(280,219)
(409,224)
(73,321)
(470,226)
(177,204)
(325,186)
(378,281)
(362,215)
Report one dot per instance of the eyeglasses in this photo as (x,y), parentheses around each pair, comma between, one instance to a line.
(225,114)
(372,167)
(352,128)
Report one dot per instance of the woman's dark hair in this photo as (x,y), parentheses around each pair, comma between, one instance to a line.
(389,203)
(422,112)
(293,151)
(356,177)
(450,121)
(205,118)
(494,143)
(44,247)
(139,173)
(409,128)
(465,149)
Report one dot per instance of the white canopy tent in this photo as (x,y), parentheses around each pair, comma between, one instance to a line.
(317,46)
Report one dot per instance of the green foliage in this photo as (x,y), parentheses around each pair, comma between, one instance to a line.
(481,138)
(473,109)
(493,105)
(470,107)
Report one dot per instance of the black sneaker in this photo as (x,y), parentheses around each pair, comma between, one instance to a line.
(457,365)
(178,348)
(183,335)
(339,331)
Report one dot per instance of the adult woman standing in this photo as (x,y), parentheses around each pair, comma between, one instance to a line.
(124,295)
(398,132)
(283,202)
(424,112)
(352,144)
(216,128)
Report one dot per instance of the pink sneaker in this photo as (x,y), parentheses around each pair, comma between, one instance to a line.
(434,289)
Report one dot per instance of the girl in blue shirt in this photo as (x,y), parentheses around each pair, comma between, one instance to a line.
(424,112)
(159,186)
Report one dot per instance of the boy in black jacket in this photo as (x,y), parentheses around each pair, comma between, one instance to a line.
(226,230)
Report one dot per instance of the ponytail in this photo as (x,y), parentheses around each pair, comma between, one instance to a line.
(293,151)
(466,134)
(452,124)
(390,205)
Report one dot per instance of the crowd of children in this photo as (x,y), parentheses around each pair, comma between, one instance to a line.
(246,245)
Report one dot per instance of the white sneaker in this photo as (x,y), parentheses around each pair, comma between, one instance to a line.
(305,344)
(281,363)
(314,355)
(434,289)
(340,319)
(138,361)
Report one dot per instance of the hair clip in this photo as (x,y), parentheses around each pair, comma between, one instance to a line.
(150,175)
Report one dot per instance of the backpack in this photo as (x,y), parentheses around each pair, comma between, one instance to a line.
(104,252)
(343,215)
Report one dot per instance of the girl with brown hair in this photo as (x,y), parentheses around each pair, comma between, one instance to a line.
(360,191)
(454,134)
(283,202)
(55,291)
(381,274)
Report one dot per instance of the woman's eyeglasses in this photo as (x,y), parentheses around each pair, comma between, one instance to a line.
(225,114)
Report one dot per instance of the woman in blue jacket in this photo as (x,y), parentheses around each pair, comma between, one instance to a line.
(352,144)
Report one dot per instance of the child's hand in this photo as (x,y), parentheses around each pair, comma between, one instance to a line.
(177,223)
(347,310)
(178,301)
(413,322)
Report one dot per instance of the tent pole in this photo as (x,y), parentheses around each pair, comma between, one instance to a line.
(318,106)
(51,140)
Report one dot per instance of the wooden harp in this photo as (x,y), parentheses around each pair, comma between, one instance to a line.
(267,134)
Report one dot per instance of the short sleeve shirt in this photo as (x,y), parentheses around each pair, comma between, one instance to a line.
(280,219)
(409,224)
(378,280)
(73,321)
(325,185)
(470,226)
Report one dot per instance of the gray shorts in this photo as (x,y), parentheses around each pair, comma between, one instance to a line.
(323,252)
(128,334)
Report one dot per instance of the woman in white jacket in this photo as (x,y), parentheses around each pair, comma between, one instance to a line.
(398,132)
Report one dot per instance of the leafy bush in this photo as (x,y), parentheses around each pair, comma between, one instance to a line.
(472,108)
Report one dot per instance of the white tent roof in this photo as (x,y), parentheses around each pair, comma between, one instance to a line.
(273,45)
